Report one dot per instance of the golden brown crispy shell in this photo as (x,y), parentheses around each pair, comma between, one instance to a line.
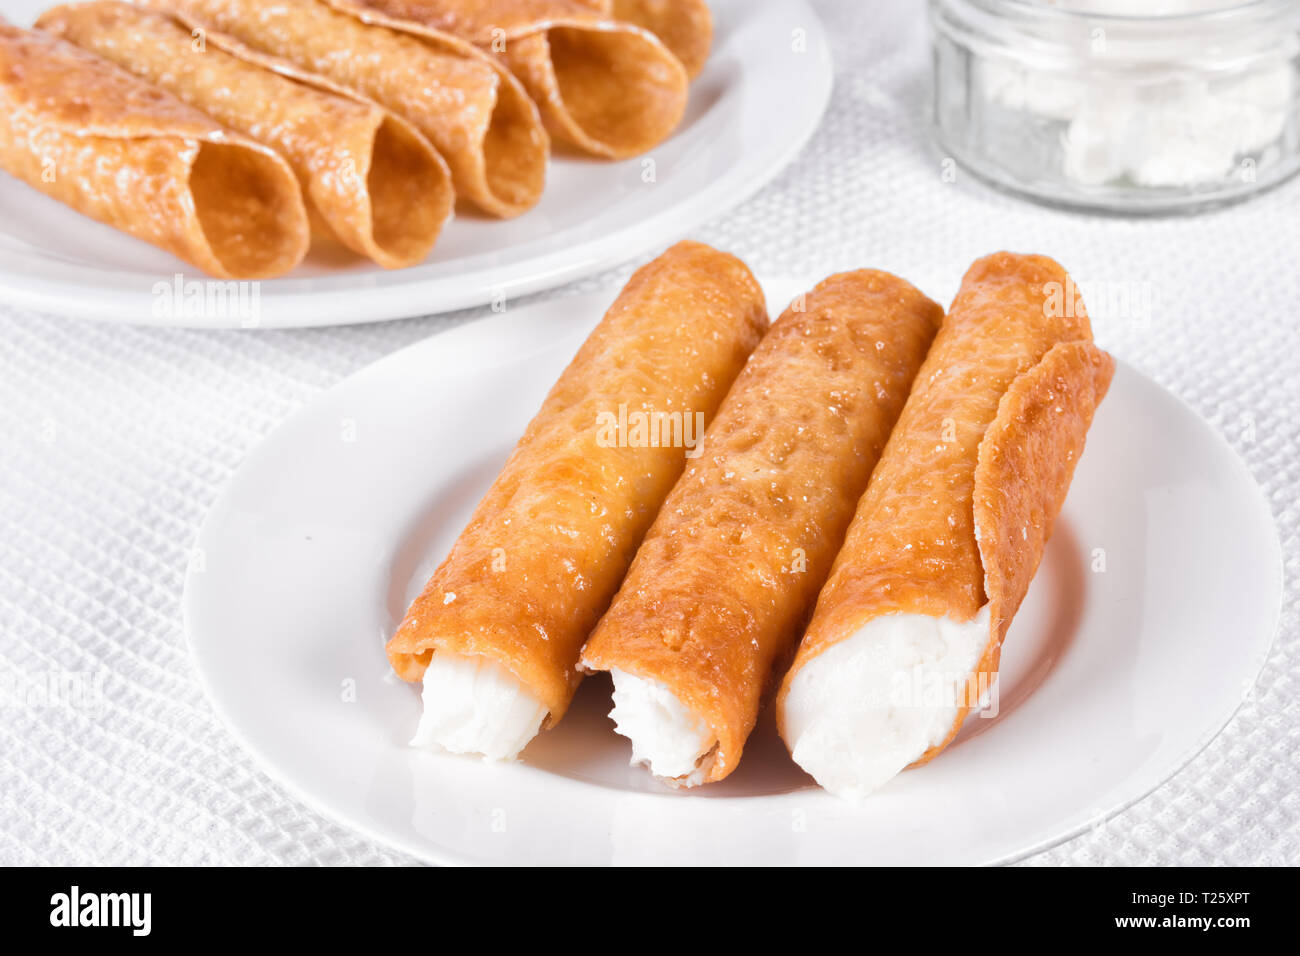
(609,88)
(684,26)
(1040,429)
(550,542)
(479,21)
(472,109)
(729,570)
(371,181)
(134,157)
(912,546)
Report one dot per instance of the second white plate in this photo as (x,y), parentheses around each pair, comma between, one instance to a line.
(757,102)
(1144,629)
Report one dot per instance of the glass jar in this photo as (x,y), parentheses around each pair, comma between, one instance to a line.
(1120,105)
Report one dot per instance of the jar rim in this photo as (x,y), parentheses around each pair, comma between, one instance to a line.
(1026,9)
(1064,38)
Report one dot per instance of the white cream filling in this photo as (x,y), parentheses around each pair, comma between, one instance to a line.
(861,711)
(474,705)
(666,736)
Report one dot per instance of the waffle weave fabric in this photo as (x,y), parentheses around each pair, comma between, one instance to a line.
(117,439)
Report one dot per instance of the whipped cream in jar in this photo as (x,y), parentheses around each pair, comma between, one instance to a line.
(1120,105)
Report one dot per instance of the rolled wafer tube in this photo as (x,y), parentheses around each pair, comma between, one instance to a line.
(724,580)
(606,87)
(130,155)
(907,633)
(370,180)
(467,104)
(497,631)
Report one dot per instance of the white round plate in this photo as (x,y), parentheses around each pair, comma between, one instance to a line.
(1148,621)
(757,102)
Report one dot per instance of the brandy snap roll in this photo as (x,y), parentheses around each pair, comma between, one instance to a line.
(130,155)
(722,585)
(497,631)
(370,180)
(907,633)
(467,104)
(606,87)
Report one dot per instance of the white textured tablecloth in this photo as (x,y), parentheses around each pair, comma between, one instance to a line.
(115,440)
